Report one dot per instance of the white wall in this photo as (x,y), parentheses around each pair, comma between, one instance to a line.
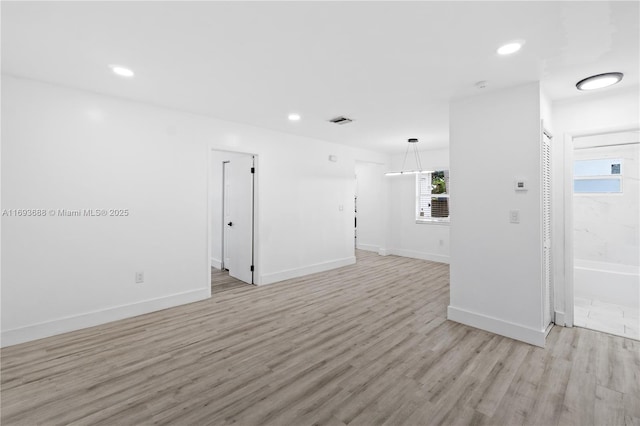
(69,149)
(372,215)
(407,238)
(607,111)
(496,281)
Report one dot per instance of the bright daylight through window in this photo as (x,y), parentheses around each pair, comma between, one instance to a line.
(597,176)
(432,196)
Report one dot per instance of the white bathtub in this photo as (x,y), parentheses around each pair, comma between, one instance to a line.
(607,282)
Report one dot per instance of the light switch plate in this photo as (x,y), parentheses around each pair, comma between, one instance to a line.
(514,216)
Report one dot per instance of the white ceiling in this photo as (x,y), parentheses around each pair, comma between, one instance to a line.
(391,66)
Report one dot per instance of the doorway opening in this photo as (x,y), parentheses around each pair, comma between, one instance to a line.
(368,210)
(606,233)
(232,217)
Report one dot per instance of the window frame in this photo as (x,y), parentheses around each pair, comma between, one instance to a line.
(429,219)
(611,176)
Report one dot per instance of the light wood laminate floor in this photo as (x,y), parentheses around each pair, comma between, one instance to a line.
(366,344)
(221,281)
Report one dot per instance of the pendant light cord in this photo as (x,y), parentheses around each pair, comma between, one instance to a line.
(415,153)
(404,163)
(418,162)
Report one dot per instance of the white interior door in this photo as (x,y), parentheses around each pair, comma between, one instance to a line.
(226,214)
(239,222)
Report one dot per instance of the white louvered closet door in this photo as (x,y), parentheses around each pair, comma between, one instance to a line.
(546,229)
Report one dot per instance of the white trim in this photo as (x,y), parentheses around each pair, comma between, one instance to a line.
(103,316)
(256,222)
(434,221)
(546,140)
(568,230)
(497,326)
(383,251)
(548,329)
(216,263)
(419,255)
(559,318)
(305,270)
(367,247)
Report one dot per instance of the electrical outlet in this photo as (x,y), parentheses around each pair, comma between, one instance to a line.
(514,216)
(139,277)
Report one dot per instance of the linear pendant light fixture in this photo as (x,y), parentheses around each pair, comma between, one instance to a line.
(411,142)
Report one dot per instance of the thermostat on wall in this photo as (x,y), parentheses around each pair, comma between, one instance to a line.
(521,185)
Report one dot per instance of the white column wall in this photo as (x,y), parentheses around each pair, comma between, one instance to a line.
(496,266)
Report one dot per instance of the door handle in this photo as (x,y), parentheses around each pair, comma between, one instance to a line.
(230,223)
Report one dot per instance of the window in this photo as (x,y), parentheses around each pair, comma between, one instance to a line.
(432,200)
(600,176)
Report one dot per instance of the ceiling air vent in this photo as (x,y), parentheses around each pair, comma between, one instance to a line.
(341,120)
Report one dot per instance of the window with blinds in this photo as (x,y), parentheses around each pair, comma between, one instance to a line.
(432,196)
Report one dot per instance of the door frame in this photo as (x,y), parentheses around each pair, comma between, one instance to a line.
(568,212)
(546,138)
(255,214)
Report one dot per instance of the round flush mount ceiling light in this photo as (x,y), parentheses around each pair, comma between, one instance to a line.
(294,117)
(121,71)
(511,47)
(599,81)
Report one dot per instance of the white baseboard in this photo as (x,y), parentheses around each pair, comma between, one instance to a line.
(367,247)
(90,319)
(216,263)
(383,251)
(560,319)
(497,326)
(419,255)
(306,270)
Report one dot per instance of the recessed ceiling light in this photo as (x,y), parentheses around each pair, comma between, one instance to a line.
(511,47)
(599,81)
(121,71)
(294,117)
